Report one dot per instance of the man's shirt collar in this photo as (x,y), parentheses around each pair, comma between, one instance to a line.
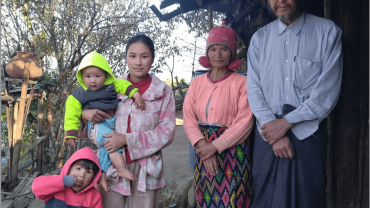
(295,26)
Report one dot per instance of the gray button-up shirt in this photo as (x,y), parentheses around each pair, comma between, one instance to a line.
(300,65)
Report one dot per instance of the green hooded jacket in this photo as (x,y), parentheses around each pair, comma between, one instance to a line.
(103,99)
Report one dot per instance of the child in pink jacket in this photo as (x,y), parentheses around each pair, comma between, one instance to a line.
(74,187)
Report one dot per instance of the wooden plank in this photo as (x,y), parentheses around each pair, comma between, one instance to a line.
(7,204)
(11,99)
(24,166)
(20,185)
(175,88)
(18,80)
(7,98)
(28,187)
(22,202)
(36,203)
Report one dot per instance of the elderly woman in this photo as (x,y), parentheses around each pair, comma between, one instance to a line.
(218,121)
(143,134)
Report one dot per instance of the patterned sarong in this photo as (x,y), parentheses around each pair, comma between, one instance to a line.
(232,186)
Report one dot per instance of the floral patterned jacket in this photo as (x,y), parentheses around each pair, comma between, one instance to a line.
(151,130)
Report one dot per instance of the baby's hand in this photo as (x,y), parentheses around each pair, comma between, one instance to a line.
(72,142)
(139,101)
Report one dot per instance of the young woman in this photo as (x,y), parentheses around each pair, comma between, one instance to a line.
(142,133)
(218,121)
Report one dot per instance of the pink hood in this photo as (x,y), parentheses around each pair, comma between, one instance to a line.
(84,153)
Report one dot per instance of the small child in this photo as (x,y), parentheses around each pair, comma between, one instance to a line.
(74,187)
(99,90)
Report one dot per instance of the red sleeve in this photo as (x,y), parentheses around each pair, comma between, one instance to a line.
(44,187)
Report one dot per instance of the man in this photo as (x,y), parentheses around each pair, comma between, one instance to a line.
(294,78)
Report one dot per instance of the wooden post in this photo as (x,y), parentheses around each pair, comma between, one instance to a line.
(18,127)
(40,126)
(33,160)
(10,123)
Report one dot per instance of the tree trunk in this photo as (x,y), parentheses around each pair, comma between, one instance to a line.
(348,147)
(210,17)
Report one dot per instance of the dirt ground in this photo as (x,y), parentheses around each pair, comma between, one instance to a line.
(176,155)
(179,177)
(176,166)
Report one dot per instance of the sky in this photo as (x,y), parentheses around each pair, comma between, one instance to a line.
(183,64)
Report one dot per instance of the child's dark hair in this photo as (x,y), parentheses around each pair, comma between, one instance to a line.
(141,39)
(88,165)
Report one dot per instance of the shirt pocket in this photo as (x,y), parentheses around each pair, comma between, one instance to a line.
(306,73)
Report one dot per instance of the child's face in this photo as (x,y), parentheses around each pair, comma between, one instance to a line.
(93,77)
(77,170)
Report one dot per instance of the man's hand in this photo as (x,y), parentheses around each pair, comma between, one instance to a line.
(283,148)
(275,130)
(206,151)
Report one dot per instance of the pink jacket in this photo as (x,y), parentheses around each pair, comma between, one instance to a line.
(152,130)
(51,189)
(228,107)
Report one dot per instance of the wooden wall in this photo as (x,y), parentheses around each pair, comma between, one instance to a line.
(348,147)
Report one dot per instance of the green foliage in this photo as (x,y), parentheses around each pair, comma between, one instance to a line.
(46,81)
